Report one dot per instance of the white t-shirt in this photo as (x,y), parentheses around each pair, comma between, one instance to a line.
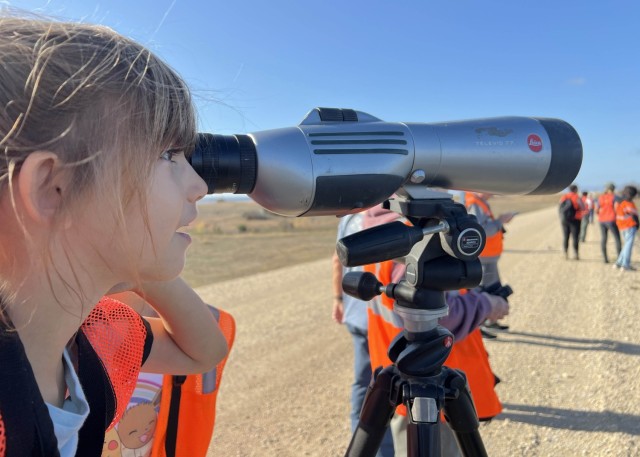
(68,420)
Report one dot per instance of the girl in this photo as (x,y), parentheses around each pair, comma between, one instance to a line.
(94,190)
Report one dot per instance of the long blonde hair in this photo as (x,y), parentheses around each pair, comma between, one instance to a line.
(104,104)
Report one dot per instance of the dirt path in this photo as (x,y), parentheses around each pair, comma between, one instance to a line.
(569,365)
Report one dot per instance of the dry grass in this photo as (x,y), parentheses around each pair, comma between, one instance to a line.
(236,239)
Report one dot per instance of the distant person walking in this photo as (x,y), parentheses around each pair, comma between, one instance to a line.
(571,212)
(587,202)
(352,313)
(605,208)
(627,221)
(592,197)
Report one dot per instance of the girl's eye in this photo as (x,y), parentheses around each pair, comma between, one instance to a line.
(169,155)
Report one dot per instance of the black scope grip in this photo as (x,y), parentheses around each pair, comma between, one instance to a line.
(377,244)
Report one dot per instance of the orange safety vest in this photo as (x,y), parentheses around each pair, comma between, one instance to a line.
(383,323)
(494,245)
(468,354)
(606,211)
(113,321)
(188,428)
(624,214)
(576,202)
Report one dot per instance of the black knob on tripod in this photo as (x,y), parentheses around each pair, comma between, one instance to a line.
(377,244)
(364,286)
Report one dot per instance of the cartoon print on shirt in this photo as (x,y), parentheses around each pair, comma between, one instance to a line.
(136,429)
(111,446)
(137,426)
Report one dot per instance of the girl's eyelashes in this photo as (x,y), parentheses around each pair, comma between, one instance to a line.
(169,154)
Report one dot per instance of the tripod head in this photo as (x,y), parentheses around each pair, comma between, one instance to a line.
(439,249)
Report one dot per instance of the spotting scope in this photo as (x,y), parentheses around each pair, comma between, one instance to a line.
(341,161)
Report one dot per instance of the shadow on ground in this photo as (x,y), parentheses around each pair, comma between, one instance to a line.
(574,344)
(591,421)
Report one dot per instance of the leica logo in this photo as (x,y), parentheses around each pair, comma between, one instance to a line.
(534,142)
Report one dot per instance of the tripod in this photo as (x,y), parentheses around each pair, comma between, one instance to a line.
(440,252)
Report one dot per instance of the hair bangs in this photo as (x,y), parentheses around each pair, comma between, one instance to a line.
(162,105)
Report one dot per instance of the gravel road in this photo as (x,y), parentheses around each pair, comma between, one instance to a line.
(569,364)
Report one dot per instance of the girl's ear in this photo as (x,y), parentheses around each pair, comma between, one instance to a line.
(40,185)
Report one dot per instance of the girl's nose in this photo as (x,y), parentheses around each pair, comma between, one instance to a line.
(197,186)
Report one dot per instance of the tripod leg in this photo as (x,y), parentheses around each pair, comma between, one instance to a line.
(423,439)
(462,417)
(377,410)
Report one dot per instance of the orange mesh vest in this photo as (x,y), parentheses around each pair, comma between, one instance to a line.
(493,247)
(117,334)
(111,345)
(188,407)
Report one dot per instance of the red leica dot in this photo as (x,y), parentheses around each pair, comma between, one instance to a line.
(534,142)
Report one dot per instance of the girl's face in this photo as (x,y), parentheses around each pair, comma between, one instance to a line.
(152,247)
(170,206)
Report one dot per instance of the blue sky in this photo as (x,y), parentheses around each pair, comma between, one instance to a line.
(261,64)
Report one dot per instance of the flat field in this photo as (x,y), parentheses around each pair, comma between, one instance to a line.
(236,239)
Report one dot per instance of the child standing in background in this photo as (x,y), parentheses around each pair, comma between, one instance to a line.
(94,188)
(627,222)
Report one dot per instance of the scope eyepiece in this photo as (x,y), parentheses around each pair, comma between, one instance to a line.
(227,163)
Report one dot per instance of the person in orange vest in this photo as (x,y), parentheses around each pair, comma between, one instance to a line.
(95,192)
(477,204)
(571,211)
(605,208)
(169,415)
(466,313)
(352,313)
(627,221)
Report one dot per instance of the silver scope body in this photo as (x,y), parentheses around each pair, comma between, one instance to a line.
(339,161)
